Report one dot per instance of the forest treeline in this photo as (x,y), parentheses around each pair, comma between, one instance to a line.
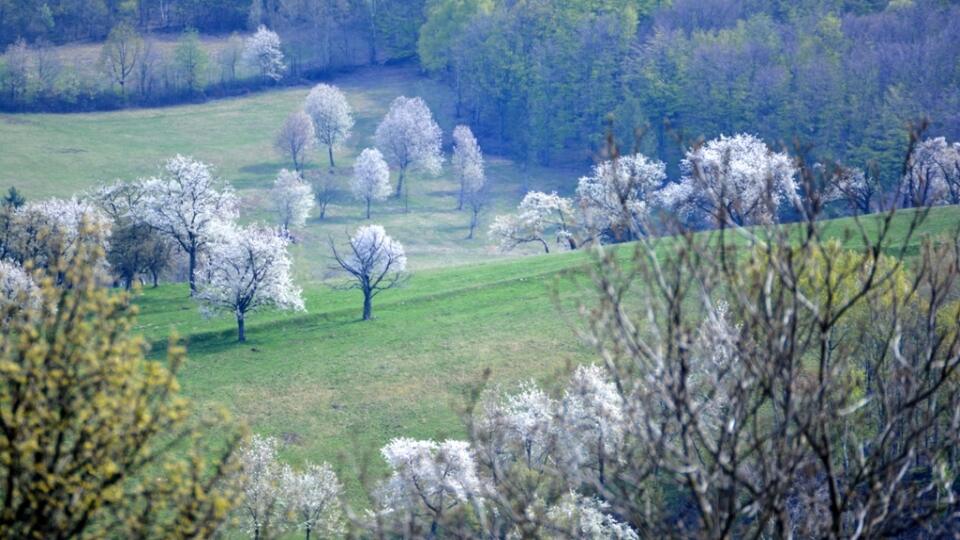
(541,80)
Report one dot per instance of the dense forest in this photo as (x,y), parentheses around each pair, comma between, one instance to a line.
(543,78)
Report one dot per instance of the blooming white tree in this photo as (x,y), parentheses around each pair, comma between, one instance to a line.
(734,180)
(47,232)
(247,269)
(410,139)
(261,484)
(296,137)
(467,163)
(616,198)
(538,215)
(592,418)
(429,478)
(17,290)
(375,261)
(186,204)
(576,516)
(933,174)
(293,199)
(371,178)
(262,51)
(331,114)
(850,185)
(312,498)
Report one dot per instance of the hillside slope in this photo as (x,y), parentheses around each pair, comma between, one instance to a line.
(332,385)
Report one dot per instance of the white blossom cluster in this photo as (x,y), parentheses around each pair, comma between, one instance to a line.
(737,179)
(467,162)
(538,216)
(933,174)
(577,516)
(262,51)
(275,494)
(17,288)
(429,474)
(247,268)
(376,252)
(49,231)
(293,199)
(408,136)
(331,114)
(617,196)
(371,178)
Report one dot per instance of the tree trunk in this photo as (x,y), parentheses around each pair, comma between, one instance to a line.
(367,305)
(400,182)
(368,207)
(460,199)
(546,248)
(330,155)
(241,331)
(406,198)
(156,278)
(193,271)
(473,225)
(308,533)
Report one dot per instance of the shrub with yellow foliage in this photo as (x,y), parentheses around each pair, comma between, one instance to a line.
(96,440)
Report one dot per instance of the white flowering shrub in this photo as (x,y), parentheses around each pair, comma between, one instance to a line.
(293,200)
(617,198)
(262,52)
(371,178)
(539,216)
(312,499)
(735,180)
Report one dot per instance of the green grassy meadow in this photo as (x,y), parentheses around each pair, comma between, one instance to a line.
(332,387)
(47,155)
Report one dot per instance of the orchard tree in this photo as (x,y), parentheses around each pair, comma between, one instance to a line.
(324,184)
(375,262)
(262,52)
(331,114)
(135,246)
(538,216)
(120,54)
(371,178)
(734,181)
(312,499)
(296,138)
(615,199)
(293,199)
(260,484)
(409,139)
(933,174)
(247,269)
(467,162)
(47,232)
(18,290)
(477,197)
(186,204)
(95,439)
(428,479)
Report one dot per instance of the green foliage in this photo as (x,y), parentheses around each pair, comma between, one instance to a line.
(191,60)
(94,439)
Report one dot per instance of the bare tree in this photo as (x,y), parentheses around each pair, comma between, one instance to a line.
(120,54)
(295,138)
(324,186)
